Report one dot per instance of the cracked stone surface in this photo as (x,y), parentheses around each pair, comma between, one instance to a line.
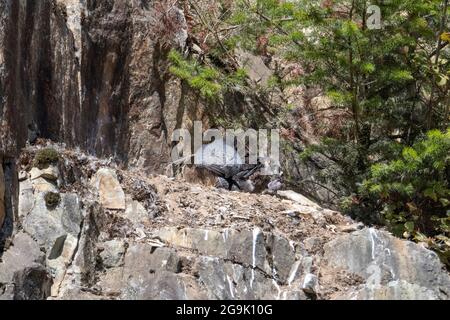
(188,241)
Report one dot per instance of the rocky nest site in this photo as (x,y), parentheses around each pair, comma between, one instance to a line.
(85,228)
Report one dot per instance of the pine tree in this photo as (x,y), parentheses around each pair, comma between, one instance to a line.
(413,192)
(391,79)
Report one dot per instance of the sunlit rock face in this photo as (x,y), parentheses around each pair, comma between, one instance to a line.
(118,234)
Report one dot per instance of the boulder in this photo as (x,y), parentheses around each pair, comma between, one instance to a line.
(310,284)
(246,246)
(224,280)
(153,273)
(249,247)
(142,258)
(24,276)
(81,270)
(162,285)
(39,181)
(255,67)
(136,212)
(297,197)
(388,264)
(41,185)
(111,281)
(59,259)
(50,173)
(220,285)
(23,175)
(50,228)
(56,231)
(208,242)
(13,259)
(32,283)
(109,189)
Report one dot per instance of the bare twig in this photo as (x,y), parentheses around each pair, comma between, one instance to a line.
(213,31)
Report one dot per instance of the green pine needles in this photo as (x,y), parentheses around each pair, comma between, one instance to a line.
(207,80)
(413,192)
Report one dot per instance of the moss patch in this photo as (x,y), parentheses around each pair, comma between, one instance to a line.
(45,157)
(52,200)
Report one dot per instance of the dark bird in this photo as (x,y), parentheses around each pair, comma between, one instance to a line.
(224,162)
(232,174)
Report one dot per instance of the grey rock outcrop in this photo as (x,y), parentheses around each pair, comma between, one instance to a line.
(180,241)
(392,268)
(23,275)
(52,227)
(109,189)
(158,278)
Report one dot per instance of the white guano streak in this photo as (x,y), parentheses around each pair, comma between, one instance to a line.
(256,232)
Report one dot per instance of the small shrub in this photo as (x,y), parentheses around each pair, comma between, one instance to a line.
(45,157)
(52,200)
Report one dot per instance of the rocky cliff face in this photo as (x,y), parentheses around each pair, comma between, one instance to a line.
(115,234)
(92,74)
